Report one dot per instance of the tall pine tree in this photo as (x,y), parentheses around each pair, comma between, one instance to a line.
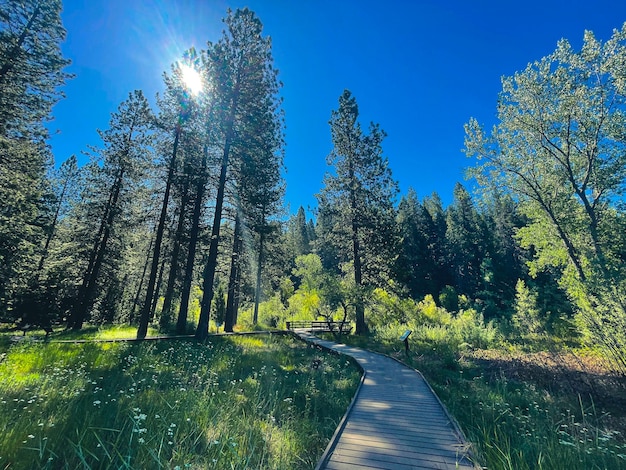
(358,198)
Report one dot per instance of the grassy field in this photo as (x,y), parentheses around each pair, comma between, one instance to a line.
(521,410)
(257,402)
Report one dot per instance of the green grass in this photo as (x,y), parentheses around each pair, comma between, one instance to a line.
(257,402)
(539,419)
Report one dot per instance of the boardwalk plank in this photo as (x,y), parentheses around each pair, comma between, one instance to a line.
(396,421)
(412,460)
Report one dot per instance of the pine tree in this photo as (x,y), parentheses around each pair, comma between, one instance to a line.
(126,155)
(464,237)
(416,264)
(31,66)
(359,198)
(31,74)
(177,107)
(245,87)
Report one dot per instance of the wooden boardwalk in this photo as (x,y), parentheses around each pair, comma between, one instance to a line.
(396,421)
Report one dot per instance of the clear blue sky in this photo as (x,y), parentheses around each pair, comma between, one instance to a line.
(420,68)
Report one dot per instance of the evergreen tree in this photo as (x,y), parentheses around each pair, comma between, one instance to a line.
(261,189)
(464,237)
(125,157)
(298,236)
(31,74)
(416,263)
(245,90)
(359,198)
(66,179)
(176,107)
(437,241)
(31,66)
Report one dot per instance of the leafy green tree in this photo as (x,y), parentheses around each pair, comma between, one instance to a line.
(559,149)
(358,198)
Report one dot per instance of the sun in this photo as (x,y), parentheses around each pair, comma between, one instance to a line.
(191,78)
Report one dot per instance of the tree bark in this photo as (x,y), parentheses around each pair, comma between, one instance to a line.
(202,331)
(50,236)
(131,318)
(257,293)
(85,296)
(173,274)
(181,322)
(233,286)
(361,326)
(142,331)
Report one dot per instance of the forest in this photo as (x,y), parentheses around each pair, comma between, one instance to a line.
(178,218)
(177,222)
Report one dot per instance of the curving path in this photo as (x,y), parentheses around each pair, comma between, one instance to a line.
(396,421)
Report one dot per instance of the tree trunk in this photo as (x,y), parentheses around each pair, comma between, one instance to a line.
(181,322)
(202,331)
(157,290)
(131,318)
(164,321)
(233,287)
(53,226)
(361,326)
(145,311)
(237,293)
(87,289)
(257,293)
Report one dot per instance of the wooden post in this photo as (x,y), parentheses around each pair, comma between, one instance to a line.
(405,338)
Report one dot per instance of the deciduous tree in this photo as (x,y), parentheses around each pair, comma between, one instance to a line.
(560,149)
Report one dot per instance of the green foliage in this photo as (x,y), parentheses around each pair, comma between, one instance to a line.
(31,73)
(248,402)
(449,299)
(219,301)
(464,242)
(432,325)
(559,149)
(356,201)
(526,317)
(31,66)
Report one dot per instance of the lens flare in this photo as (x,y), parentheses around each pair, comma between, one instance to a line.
(191,78)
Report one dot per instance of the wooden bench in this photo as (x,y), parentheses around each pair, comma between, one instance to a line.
(321,326)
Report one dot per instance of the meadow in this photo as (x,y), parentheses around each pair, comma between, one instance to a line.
(254,401)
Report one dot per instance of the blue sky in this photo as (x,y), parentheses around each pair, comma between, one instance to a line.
(420,68)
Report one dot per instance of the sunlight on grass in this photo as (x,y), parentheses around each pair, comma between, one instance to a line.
(234,402)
